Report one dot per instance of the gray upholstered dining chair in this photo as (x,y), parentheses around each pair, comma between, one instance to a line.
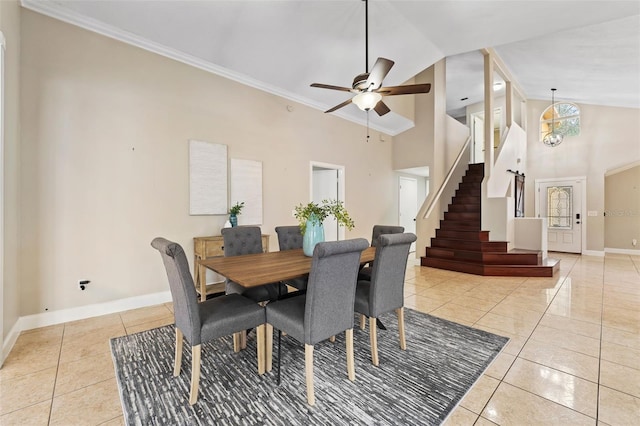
(365,272)
(242,240)
(289,238)
(385,291)
(208,320)
(327,307)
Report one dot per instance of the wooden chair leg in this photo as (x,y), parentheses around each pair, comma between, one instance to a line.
(332,339)
(268,353)
(363,322)
(260,345)
(308,363)
(373,337)
(195,373)
(243,339)
(178,357)
(403,343)
(351,370)
(236,342)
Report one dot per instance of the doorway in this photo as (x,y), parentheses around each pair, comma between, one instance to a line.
(562,202)
(408,205)
(327,183)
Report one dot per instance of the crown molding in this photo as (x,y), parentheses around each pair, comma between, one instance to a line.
(58,12)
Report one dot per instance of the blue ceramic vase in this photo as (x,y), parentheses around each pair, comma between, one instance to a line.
(313,234)
(233,219)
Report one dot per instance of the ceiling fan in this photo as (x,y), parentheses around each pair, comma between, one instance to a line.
(368,85)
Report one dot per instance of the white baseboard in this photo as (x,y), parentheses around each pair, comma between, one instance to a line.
(593,253)
(81,312)
(622,251)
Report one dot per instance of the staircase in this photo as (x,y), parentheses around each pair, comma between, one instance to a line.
(460,245)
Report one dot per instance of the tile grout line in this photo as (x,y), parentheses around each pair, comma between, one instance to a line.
(55,381)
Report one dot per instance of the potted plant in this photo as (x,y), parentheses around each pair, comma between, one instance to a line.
(311,216)
(234,211)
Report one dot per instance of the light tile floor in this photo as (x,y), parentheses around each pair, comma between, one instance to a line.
(572,358)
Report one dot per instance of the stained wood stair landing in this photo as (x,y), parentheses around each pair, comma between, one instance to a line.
(460,245)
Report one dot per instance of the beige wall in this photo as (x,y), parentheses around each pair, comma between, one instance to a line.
(10,27)
(104,169)
(609,138)
(622,204)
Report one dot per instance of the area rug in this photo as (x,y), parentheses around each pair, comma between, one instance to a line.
(419,386)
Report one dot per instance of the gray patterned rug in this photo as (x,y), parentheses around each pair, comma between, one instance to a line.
(418,386)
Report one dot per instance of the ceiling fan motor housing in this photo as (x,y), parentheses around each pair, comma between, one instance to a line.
(360,81)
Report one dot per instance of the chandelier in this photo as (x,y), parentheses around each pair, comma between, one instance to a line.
(553,138)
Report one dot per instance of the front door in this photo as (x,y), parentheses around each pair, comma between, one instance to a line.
(560,201)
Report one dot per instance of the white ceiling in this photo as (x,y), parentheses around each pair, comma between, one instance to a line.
(588,50)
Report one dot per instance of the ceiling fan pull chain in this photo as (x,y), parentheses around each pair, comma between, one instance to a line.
(367,126)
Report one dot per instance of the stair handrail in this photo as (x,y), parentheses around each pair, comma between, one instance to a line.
(444,183)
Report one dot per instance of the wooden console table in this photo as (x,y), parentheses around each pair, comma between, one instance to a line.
(205,248)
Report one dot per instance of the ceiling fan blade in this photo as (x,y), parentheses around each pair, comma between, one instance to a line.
(378,73)
(345,103)
(404,90)
(329,86)
(381,108)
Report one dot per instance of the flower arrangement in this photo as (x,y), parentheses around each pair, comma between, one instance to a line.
(236,208)
(335,208)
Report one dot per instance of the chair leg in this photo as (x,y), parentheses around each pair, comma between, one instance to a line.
(308,364)
(403,343)
(260,345)
(236,342)
(279,353)
(195,373)
(268,353)
(332,339)
(351,370)
(373,337)
(243,339)
(363,322)
(178,358)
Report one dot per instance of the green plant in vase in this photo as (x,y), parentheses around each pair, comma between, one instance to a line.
(311,216)
(234,211)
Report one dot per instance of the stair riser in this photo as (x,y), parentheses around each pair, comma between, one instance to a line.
(493,246)
(459,225)
(460,208)
(462,216)
(463,235)
(484,258)
(489,270)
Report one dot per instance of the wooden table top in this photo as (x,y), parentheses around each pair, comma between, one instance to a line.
(253,270)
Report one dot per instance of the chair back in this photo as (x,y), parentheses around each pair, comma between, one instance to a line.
(289,237)
(387,275)
(382,230)
(183,291)
(242,240)
(331,290)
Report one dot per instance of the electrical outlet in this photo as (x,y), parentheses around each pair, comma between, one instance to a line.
(82,284)
(634,242)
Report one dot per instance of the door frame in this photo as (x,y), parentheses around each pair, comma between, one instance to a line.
(578,180)
(341,186)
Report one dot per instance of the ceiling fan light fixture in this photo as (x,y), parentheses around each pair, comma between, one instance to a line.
(367,100)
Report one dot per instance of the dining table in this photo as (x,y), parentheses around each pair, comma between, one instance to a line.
(251,270)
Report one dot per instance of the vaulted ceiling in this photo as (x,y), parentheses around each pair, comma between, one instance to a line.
(588,50)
